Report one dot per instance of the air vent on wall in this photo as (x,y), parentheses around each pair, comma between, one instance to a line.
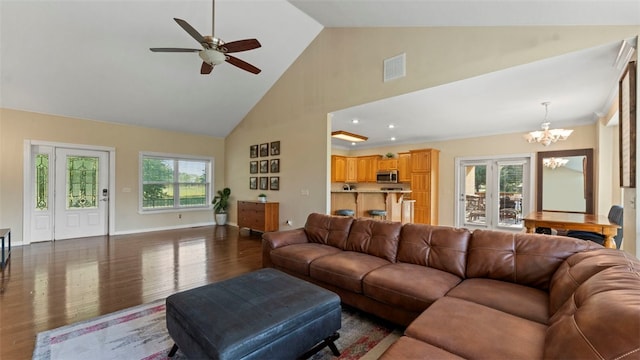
(394,68)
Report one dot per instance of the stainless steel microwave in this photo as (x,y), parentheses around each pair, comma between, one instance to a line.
(387,177)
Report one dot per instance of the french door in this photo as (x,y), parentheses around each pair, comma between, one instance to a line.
(493,193)
(70,193)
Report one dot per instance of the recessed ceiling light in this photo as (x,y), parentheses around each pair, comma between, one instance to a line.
(355,121)
(353,144)
(393,139)
(391,126)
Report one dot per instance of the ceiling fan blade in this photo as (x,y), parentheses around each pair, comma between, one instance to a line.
(174,50)
(242,64)
(193,32)
(206,68)
(241,45)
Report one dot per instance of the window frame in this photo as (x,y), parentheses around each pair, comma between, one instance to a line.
(176,158)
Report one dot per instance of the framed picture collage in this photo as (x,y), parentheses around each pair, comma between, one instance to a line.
(264,166)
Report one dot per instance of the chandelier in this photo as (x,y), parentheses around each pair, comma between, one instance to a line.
(554,162)
(547,136)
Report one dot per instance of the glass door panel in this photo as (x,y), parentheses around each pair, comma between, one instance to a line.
(475,187)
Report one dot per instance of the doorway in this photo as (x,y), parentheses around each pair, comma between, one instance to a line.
(68,192)
(493,193)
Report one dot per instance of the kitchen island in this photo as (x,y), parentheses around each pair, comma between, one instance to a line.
(361,201)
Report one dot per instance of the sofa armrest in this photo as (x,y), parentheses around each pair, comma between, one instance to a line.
(277,239)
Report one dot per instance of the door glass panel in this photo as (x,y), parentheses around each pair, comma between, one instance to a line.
(511,184)
(475,191)
(42,181)
(82,175)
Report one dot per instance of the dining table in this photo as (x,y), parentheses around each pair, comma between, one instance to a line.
(573,221)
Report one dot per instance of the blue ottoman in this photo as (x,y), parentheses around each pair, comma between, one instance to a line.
(265,314)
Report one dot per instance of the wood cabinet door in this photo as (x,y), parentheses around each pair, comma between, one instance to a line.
(387,164)
(372,168)
(351,169)
(338,166)
(404,167)
(421,193)
(421,160)
(367,167)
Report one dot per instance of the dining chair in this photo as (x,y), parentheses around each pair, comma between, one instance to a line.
(615,216)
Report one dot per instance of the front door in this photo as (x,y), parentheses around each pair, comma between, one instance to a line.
(81,193)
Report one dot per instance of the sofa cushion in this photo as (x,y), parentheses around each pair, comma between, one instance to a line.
(409,348)
(439,247)
(297,257)
(602,318)
(327,229)
(377,238)
(580,267)
(474,331)
(523,301)
(345,269)
(526,259)
(409,286)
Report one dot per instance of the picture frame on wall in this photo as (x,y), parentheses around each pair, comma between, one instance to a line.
(274,165)
(274,183)
(253,167)
(264,166)
(264,183)
(627,115)
(275,148)
(253,151)
(253,183)
(264,149)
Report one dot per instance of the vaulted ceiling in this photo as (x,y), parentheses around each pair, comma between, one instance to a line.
(90,59)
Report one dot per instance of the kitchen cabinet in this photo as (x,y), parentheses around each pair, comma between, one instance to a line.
(404,167)
(259,216)
(424,185)
(387,164)
(344,169)
(338,168)
(367,168)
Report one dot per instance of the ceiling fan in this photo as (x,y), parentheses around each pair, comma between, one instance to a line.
(215,51)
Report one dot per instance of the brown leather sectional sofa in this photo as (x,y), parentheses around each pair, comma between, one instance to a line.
(489,295)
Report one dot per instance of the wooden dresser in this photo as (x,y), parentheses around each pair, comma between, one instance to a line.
(259,216)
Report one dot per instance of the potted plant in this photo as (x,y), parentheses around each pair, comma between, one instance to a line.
(221,205)
(390,155)
(262,197)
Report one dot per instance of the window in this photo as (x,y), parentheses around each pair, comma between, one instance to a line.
(174,182)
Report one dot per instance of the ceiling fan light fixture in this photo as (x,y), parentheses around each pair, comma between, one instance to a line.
(347,136)
(212,57)
(547,136)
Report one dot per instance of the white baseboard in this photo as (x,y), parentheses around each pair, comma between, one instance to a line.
(177,227)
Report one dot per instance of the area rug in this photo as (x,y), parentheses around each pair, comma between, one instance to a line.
(140,333)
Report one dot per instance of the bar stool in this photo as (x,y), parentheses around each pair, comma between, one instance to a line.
(345,212)
(381,213)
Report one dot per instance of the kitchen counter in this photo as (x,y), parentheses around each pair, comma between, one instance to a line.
(361,201)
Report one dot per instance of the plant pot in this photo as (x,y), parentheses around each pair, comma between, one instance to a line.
(221,219)
(262,199)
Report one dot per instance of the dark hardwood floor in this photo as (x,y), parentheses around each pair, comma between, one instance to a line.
(48,285)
